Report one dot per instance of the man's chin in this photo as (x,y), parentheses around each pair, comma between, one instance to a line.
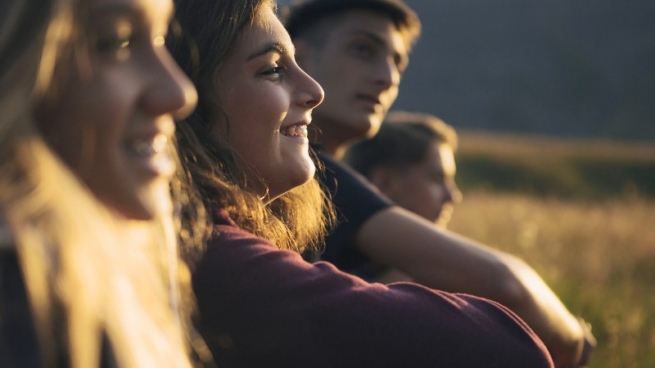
(365,126)
(363,129)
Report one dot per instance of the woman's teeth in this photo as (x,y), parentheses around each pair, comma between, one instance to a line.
(147,148)
(295,131)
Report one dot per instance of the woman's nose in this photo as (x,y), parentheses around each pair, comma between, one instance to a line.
(310,93)
(169,90)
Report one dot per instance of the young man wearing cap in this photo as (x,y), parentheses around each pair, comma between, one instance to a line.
(357,50)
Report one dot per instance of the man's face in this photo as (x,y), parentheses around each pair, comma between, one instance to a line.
(359,65)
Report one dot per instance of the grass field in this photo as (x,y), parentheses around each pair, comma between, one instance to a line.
(591,169)
(597,251)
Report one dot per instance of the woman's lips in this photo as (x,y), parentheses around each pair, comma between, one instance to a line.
(149,147)
(296,130)
(151,155)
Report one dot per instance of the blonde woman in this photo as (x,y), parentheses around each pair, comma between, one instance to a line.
(89,268)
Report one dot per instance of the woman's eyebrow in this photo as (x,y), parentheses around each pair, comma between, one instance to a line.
(108,10)
(114,9)
(276,47)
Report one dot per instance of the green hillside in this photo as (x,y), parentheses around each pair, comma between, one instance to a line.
(591,169)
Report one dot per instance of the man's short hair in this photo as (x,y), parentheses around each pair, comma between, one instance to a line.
(403,140)
(301,19)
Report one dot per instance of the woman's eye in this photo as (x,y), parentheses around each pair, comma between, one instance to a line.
(274,70)
(114,48)
(112,44)
(115,40)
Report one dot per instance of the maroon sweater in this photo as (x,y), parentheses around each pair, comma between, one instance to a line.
(261,307)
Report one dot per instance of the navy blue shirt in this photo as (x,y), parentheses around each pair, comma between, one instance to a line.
(356,200)
(19,346)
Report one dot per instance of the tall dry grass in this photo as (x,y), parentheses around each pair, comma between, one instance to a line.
(599,257)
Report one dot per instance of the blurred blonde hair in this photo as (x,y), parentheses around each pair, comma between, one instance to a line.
(88,271)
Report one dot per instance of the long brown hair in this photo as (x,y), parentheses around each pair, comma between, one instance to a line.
(209,31)
(87,270)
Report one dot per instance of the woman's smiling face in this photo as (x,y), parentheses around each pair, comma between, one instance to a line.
(111,120)
(268,101)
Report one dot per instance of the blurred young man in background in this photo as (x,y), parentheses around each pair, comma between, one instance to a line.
(358,50)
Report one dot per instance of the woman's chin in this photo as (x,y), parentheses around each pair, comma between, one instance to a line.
(289,182)
(307,172)
(143,204)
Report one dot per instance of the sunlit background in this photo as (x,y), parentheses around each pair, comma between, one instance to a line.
(555,105)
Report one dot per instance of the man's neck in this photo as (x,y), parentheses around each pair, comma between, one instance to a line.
(334,151)
(331,143)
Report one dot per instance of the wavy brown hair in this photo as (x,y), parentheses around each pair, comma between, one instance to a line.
(208,31)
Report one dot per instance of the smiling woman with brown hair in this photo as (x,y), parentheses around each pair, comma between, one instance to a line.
(89,268)
(255,171)
(246,148)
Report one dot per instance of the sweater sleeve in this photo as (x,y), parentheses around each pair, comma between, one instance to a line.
(263,307)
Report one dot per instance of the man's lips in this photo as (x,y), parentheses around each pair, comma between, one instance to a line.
(371,102)
(369,98)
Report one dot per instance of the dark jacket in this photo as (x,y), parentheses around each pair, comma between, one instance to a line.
(19,346)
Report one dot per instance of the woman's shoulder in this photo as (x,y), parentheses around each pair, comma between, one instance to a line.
(224,228)
(228,240)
